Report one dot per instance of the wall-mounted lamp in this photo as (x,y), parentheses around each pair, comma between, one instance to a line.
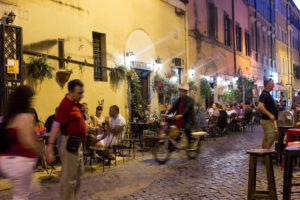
(158,60)
(10,17)
(131,56)
(191,72)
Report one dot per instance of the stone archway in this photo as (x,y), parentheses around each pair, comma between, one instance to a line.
(141,45)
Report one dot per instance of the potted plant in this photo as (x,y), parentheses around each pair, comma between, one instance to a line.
(117,75)
(63,75)
(38,68)
(205,88)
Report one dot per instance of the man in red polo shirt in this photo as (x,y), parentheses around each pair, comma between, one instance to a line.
(69,122)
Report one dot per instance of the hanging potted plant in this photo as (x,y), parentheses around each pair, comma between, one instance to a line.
(117,75)
(38,68)
(159,82)
(62,76)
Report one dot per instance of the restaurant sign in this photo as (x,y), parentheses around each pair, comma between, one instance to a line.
(12,66)
(142,65)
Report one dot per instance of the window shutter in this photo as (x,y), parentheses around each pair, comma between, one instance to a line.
(216,22)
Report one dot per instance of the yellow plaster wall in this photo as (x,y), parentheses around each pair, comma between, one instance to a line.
(74,21)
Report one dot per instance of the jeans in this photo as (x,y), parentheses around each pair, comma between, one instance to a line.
(72,171)
(19,170)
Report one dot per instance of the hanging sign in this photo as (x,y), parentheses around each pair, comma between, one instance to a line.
(12,66)
(142,65)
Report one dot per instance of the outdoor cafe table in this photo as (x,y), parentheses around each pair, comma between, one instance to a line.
(137,129)
(282,131)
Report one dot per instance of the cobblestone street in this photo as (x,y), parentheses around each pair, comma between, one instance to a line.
(220,172)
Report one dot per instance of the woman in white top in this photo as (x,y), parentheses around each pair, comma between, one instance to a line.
(99,119)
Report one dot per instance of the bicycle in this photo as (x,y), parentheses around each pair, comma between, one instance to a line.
(172,139)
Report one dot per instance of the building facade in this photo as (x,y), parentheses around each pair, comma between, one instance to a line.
(96,35)
(253,38)
(294,23)
(231,38)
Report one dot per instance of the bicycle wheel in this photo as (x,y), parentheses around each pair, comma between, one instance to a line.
(162,151)
(193,152)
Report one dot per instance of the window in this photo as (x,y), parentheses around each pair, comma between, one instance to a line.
(247,44)
(252,37)
(263,7)
(212,21)
(252,3)
(99,55)
(246,1)
(238,38)
(176,72)
(276,62)
(279,31)
(285,37)
(275,31)
(227,35)
(268,11)
(257,5)
(272,15)
(281,65)
(264,43)
(258,39)
(61,53)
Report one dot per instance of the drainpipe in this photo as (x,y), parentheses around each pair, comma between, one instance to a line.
(233,33)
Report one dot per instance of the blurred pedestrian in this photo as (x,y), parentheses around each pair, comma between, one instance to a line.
(185,113)
(23,146)
(296,101)
(69,121)
(282,103)
(269,115)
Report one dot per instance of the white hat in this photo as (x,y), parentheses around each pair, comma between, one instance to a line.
(183,87)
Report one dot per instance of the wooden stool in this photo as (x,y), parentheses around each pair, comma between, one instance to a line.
(265,154)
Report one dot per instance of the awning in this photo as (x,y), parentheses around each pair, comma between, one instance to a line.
(260,86)
(279,87)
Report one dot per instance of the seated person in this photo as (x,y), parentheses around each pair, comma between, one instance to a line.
(39,127)
(149,117)
(237,109)
(88,120)
(230,111)
(115,130)
(49,122)
(140,114)
(214,111)
(167,114)
(98,119)
(248,113)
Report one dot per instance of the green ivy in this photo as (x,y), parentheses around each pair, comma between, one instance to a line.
(205,88)
(232,95)
(38,68)
(169,89)
(248,83)
(193,86)
(136,95)
(117,75)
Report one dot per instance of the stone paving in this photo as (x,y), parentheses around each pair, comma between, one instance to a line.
(220,172)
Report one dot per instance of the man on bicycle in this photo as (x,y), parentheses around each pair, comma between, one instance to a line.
(185,113)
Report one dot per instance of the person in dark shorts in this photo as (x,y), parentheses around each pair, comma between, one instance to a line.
(269,114)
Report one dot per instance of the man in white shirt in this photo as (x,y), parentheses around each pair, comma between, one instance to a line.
(230,110)
(115,129)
